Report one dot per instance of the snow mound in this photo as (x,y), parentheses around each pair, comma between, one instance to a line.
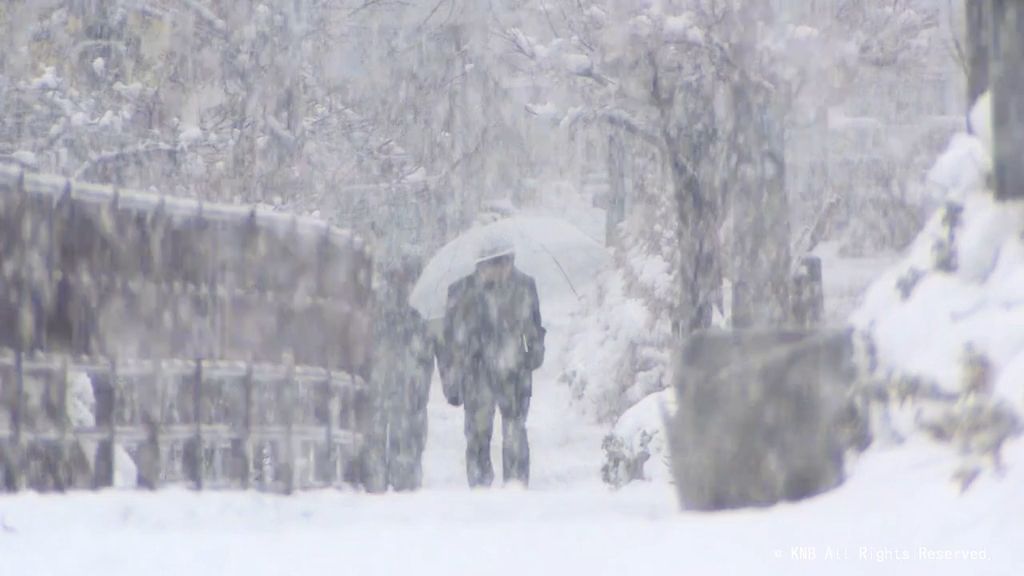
(189,135)
(636,448)
(945,326)
(26,158)
(579,64)
(981,120)
(962,283)
(683,28)
(82,413)
(961,168)
(81,401)
(922,316)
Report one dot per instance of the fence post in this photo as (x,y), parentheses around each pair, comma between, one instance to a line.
(352,400)
(195,455)
(22,341)
(244,455)
(63,465)
(149,452)
(289,417)
(16,463)
(113,421)
(807,294)
(327,467)
(51,250)
(106,452)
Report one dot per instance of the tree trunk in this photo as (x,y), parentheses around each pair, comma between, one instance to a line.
(461,211)
(760,214)
(979,36)
(699,267)
(1007,69)
(756,179)
(615,211)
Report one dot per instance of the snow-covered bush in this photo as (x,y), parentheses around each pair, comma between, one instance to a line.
(636,448)
(619,354)
(943,328)
(618,351)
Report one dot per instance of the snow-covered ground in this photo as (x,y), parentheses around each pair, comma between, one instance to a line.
(889,518)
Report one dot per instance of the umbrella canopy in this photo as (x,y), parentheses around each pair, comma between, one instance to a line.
(561,259)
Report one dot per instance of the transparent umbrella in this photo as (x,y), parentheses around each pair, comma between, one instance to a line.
(562,260)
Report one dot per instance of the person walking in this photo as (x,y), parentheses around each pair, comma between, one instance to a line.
(493,341)
(399,384)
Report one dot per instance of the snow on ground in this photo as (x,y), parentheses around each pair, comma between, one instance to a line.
(877,523)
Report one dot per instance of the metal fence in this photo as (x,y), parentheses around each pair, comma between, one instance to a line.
(191,344)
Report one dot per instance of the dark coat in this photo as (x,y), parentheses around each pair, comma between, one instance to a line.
(493,336)
(394,423)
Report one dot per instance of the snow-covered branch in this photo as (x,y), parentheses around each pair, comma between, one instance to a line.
(207,15)
(625,122)
(136,152)
(281,133)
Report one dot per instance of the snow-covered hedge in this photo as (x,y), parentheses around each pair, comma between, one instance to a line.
(944,328)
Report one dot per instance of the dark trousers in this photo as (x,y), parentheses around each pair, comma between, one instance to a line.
(512,399)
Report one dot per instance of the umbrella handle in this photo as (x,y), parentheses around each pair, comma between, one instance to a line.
(560,269)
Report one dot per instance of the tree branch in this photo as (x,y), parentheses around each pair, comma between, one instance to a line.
(207,15)
(621,120)
(138,151)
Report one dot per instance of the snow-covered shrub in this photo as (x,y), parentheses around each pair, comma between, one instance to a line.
(635,449)
(943,328)
(619,355)
(618,351)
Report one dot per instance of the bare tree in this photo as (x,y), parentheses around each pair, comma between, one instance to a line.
(696,82)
